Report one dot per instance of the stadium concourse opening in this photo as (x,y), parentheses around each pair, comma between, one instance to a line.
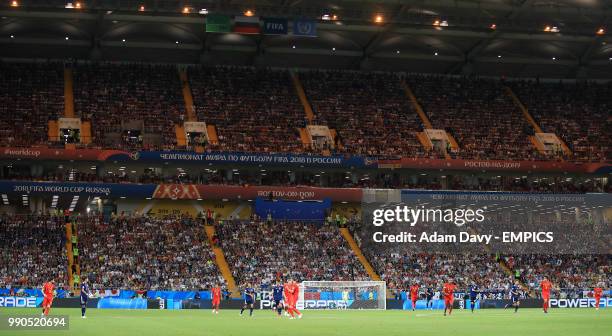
(305,167)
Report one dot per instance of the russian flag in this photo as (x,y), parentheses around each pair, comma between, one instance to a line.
(246,25)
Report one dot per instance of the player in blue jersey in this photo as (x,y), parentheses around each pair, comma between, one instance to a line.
(277,296)
(249,299)
(429,294)
(515,296)
(85,295)
(473,293)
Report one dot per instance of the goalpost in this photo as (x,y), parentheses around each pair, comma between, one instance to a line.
(343,295)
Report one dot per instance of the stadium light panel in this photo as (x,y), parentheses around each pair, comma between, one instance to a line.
(551,29)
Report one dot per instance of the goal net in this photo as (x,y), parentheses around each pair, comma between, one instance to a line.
(343,295)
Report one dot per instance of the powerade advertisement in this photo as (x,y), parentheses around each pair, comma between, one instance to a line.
(20,301)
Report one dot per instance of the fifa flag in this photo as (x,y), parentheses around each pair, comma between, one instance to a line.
(275,26)
(246,24)
(303,27)
(217,23)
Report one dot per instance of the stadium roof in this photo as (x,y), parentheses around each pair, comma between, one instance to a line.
(515,38)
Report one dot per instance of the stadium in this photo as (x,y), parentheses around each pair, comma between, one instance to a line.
(290,167)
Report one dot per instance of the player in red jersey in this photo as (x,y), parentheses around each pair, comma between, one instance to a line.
(414,294)
(295,292)
(286,297)
(48,290)
(448,291)
(216,299)
(597,291)
(292,293)
(545,285)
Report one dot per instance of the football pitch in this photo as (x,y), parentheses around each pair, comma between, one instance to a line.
(526,322)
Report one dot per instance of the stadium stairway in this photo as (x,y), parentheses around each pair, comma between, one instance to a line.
(221,262)
(523,109)
(86,132)
(179,131)
(212,134)
(299,89)
(190,114)
(70,255)
(353,244)
(422,137)
(508,271)
(416,105)
(364,261)
(53,131)
(68,94)
(532,121)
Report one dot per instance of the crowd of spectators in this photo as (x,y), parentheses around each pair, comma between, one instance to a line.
(31,94)
(478,113)
(254,110)
(566,272)
(116,96)
(173,253)
(578,113)
(369,111)
(136,106)
(32,251)
(432,270)
(261,252)
(169,253)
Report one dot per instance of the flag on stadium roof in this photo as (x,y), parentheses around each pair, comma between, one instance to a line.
(246,24)
(218,23)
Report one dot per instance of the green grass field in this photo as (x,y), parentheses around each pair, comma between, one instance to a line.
(526,322)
